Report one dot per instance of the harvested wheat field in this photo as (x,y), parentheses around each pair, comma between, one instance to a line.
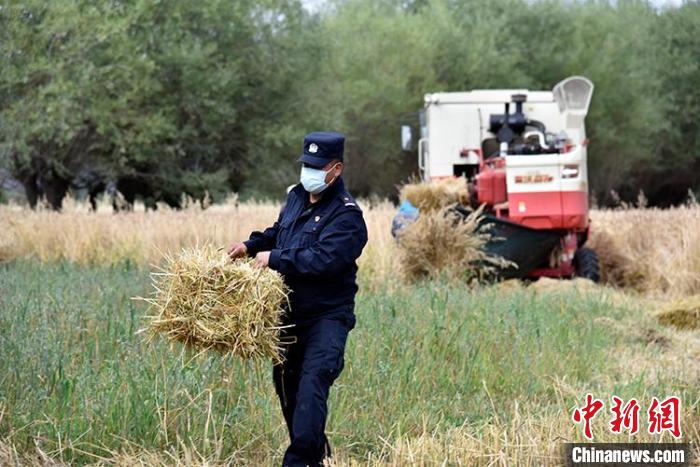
(440,369)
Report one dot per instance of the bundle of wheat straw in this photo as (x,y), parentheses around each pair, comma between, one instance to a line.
(683,313)
(207,301)
(445,244)
(434,195)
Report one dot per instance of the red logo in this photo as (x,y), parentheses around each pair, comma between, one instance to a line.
(661,416)
(665,416)
(626,417)
(587,413)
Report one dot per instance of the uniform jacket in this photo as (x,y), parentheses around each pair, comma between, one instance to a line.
(314,246)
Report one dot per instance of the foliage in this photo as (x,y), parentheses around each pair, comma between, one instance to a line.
(168,89)
(136,87)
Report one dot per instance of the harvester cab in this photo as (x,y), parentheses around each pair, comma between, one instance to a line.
(523,155)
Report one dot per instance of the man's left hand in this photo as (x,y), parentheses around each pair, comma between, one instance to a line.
(262,258)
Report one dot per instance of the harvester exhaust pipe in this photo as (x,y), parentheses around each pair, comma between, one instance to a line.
(505,133)
(519,99)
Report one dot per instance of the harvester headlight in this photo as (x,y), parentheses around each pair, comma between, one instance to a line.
(569,171)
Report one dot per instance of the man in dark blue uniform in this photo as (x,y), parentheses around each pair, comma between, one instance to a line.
(314,244)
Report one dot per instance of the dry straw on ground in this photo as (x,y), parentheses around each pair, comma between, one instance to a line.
(444,244)
(682,314)
(207,301)
(435,195)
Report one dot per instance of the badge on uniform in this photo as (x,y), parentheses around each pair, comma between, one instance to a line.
(317,218)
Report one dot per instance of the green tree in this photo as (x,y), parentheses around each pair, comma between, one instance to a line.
(148,90)
(676,166)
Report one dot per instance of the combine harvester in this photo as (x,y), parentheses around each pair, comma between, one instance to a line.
(522,154)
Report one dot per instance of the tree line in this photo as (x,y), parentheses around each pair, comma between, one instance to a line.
(155,99)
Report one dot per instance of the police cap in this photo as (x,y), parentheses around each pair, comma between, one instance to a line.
(321,147)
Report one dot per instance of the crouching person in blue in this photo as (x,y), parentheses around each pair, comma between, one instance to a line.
(314,244)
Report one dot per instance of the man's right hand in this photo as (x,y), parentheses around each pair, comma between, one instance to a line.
(237,250)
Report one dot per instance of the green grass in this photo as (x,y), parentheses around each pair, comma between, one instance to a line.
(74,373)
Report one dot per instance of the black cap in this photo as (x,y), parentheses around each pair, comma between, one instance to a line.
(321,147)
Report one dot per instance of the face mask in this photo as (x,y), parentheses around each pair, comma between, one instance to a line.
(314,180)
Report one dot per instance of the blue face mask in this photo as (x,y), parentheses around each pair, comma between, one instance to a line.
(314,180)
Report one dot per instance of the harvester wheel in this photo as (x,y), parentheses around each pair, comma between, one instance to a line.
(586,264)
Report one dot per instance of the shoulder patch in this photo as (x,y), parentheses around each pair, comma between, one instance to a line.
(348,200)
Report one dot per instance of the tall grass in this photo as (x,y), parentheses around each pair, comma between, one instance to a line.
(103,238)
(649,250)
(436,361)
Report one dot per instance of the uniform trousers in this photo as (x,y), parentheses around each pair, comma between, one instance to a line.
(303,381)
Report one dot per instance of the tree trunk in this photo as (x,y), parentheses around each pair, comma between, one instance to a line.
(31,189)
(55,189)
